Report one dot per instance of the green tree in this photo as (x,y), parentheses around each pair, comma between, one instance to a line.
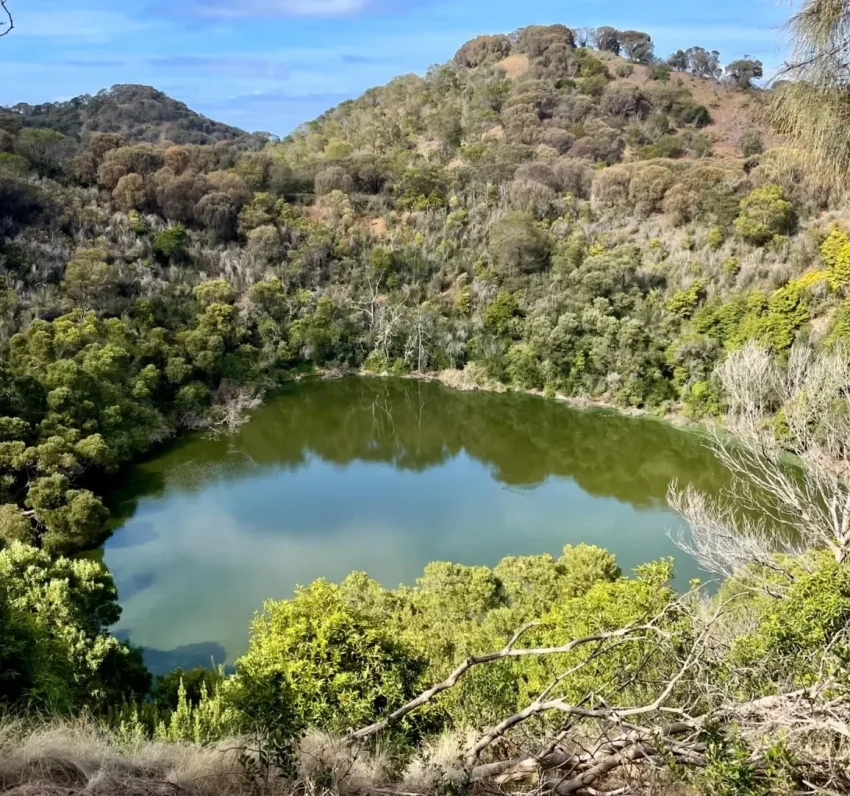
(56,651)
(324,663)
(517,246)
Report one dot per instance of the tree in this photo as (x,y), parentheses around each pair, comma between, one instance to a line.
(89,281)
(130,192)
(177,197)
(56,651)
(517,246)
(606,39)
(333,178)
(637,45)
(217,212)
(482,49)
(679,61)
(810,105)
(170,244)
(703,63)
(808,506)
(72,519)
(47,150)
(742,72)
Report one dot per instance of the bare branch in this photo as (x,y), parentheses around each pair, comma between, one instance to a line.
(9,25)
(477,660)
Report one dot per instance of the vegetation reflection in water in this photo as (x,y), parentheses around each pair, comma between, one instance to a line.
(382,476)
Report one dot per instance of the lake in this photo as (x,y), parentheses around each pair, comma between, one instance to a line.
(379,475)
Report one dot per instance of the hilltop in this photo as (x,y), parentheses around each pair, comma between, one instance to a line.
(139,113)
(541,94)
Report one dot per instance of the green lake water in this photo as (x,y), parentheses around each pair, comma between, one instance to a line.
(379,475)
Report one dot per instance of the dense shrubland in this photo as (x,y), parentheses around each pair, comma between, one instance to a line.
(536,213)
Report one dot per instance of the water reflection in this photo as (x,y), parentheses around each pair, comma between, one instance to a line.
(381,475)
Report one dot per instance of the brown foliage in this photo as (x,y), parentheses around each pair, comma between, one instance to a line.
(576,176)
(482,49)
(177,197)
(140,159)
(232,184)
(217,212)
(538,172)
(333,178)
(176,158)
(130,192)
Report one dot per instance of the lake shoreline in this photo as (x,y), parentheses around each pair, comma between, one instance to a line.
(459,380)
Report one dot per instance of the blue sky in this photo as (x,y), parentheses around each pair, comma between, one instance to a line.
(272,64)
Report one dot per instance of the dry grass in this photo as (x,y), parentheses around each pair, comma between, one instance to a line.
(514,65)
(76,758)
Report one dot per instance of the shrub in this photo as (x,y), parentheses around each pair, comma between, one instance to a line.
(321,662)
(217,212)
(533,197)
(751,143)
(659,72)
(481,50)
(559,140)
(835,251)
(178,196)
(764,214)
(538,172)
(130,192)
(611,186)
(333,178)
(648,187)
(575,176)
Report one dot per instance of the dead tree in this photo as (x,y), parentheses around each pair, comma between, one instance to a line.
(776,503)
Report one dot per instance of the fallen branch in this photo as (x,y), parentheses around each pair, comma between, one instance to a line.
(476,660)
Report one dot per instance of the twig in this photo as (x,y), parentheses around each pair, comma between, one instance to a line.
(10,25)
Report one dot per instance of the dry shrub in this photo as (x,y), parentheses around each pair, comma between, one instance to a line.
(576,176)
(611,186)
(232,184)
(532,197)
(538,172)
(650,182)
(333,178)
(77,757)
(681,204)
(559,140)
(439,761)
(482,49)
(345,770)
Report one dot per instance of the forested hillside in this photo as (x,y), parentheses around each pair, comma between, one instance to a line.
(553,210)
(139,113)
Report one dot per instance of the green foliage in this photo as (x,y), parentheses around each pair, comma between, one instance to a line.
(835,251)
(517,246)
(55,650)
(684,302)
(170,244)
(788,644)
(322,662)
(765,214)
